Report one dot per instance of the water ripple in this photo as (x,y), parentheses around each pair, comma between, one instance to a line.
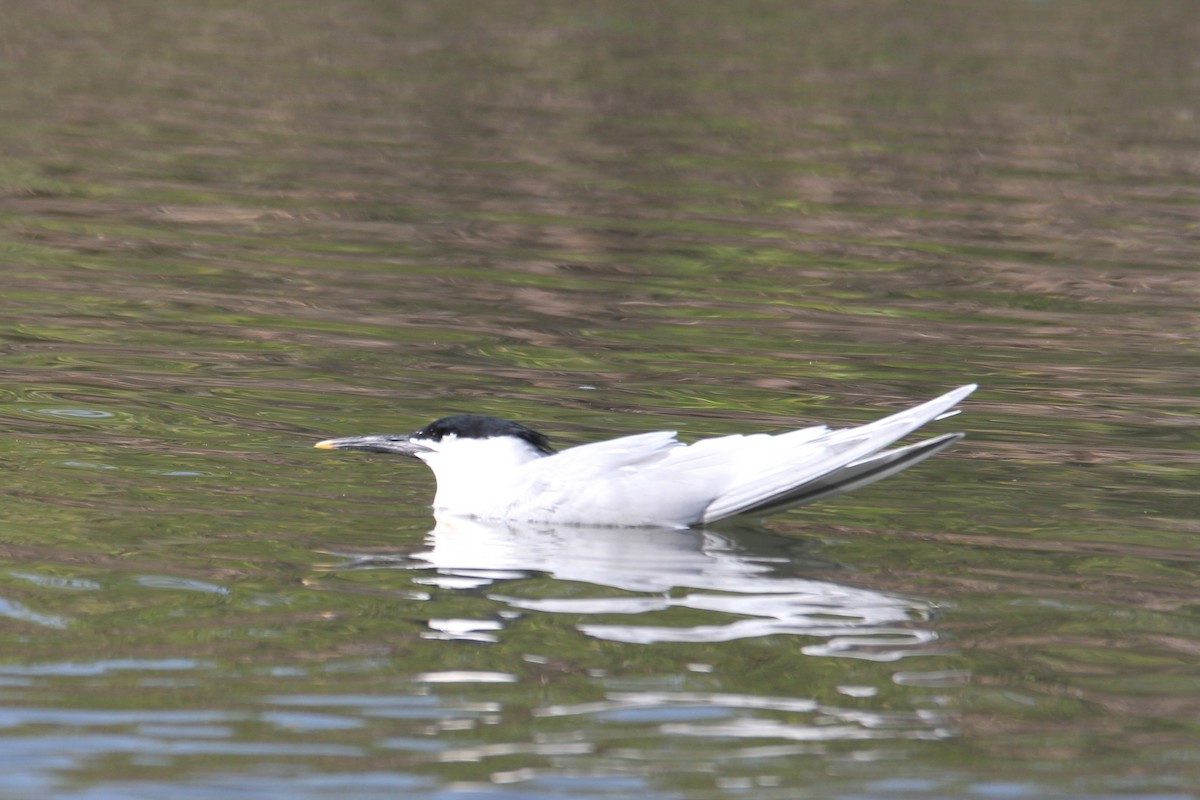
(742,591)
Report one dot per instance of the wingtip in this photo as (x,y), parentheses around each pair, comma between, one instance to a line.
(959,394)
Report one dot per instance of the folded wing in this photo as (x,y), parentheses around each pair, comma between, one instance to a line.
(787,470)
(653,480)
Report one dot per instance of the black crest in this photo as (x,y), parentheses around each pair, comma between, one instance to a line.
(477,426)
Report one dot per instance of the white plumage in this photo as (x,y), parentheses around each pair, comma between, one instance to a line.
(494,469)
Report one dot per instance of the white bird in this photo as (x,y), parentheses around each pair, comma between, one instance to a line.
(493,469)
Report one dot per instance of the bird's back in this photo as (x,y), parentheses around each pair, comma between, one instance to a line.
(652,479)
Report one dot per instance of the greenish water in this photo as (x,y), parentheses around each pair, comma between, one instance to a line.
(227,232)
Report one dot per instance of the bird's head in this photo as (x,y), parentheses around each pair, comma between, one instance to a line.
(461,433)
(474,458)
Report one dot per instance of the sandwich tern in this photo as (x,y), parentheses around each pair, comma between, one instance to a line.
(491,468)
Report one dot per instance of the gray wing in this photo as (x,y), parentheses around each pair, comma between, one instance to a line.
(651,479)
(788,472)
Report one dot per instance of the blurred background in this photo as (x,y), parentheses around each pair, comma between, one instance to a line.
(228,230)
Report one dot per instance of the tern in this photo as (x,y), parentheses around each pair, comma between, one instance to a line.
(494,469)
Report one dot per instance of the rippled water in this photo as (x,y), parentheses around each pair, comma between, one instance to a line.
(226,233)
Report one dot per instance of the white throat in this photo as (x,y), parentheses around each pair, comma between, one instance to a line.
(475,477)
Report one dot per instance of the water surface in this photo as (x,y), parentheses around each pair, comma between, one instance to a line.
(226,233)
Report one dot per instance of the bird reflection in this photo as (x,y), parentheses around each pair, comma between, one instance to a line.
(739,577)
